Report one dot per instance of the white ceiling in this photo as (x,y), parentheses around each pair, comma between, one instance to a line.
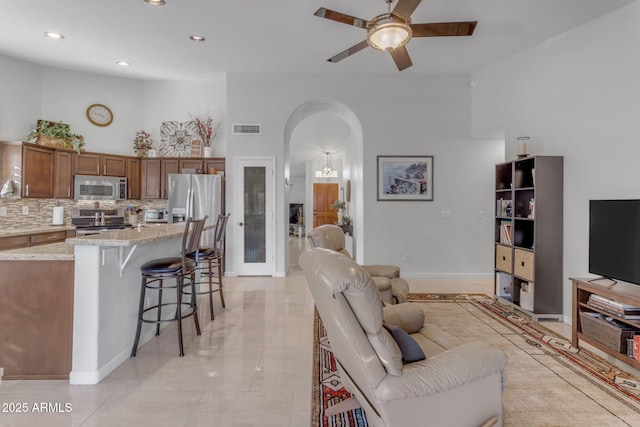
(315,136)
(270,35)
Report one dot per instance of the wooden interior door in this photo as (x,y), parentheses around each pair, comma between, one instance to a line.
(323,196)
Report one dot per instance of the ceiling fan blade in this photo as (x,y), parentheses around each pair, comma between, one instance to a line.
(401,57)
(348,52)
(406,7)
(443,29)
(341,17)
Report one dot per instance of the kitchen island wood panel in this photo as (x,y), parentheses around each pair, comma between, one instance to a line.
(36,314)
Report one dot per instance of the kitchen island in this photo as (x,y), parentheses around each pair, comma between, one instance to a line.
(105,291)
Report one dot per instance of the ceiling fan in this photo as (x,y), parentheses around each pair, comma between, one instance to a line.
(392,30)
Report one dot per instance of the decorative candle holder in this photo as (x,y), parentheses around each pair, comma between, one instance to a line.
(522,146)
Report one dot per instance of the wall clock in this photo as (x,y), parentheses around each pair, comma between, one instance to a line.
(99,115)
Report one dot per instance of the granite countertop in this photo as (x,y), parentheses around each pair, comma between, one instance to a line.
(145,234)
(19,231)
(65,251)
(51,252)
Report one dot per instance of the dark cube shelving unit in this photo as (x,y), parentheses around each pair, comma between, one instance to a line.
(528,235)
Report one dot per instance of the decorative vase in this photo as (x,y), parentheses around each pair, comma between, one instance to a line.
(207,152)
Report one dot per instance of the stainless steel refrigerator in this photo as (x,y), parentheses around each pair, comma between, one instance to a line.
(195,195)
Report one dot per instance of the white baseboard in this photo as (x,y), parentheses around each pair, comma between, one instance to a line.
(448,276)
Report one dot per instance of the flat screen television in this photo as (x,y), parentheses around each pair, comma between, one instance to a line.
(614,239)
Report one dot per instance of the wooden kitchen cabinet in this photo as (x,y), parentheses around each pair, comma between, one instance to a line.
(133,178)
(37,171)
(38,298)
(34,239)
(155,175)
(168,166)
(216,163)
(100,164)
(113,165)
(190,164)
(86,164)
(14,242)
(150,175)
(48,237)
(63,185)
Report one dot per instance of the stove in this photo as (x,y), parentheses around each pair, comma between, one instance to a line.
(94,221)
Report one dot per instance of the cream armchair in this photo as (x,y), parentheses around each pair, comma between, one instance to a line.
(453,386)
(393,288)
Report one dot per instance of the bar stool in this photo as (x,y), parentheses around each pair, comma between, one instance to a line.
(155,272)
(208,258)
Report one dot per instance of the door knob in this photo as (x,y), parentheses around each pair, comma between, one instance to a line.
(240,224)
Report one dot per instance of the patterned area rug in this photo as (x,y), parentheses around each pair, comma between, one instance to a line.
(550,383)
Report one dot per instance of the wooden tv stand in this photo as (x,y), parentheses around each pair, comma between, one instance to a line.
(622,292)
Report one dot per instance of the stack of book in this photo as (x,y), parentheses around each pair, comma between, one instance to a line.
(505,232)
(623,311)
(633,347)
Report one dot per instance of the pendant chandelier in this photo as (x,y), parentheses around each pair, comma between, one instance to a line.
(327,170)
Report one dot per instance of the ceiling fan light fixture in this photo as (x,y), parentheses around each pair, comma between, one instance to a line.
(388,32)
(155,2)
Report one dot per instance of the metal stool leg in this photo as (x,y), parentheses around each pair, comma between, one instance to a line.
(179,282)
(220,282)
(140,311)
(159,307)
(194,304)
(210,274)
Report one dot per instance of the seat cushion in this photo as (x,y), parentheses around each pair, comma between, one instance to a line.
(204,253)
(165,265)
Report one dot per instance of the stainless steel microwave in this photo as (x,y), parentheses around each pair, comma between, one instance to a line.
(90,187)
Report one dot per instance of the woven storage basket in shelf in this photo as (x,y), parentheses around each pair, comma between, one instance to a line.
(612,334)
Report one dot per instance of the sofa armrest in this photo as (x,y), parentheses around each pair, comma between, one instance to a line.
(445,371)
(407,316)
(390,271)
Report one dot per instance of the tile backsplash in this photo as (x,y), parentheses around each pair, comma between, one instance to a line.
(40,211)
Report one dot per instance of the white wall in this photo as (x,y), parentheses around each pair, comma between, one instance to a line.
(577,95)
(67,94)
(400,114)
(20,98)
(30,92)
(176,100)
(297,189)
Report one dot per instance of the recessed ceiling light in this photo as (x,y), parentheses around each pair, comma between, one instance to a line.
(197,38)
(155,2)
(123,63)
(56,36)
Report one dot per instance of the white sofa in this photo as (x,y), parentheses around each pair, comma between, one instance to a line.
(456,385)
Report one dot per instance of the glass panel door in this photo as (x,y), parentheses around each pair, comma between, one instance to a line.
(254,214)
(255,195)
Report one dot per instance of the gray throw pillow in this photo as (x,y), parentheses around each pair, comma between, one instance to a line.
(411,351)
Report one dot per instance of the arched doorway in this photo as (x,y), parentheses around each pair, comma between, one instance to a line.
(325,114)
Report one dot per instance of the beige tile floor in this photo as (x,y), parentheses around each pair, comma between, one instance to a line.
(250,367)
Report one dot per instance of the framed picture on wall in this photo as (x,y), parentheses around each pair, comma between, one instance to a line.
(405,178)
